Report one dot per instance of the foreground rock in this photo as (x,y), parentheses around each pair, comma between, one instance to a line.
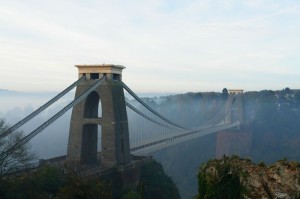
(233,177)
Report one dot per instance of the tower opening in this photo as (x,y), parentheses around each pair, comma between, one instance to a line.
(99,108)
(99,142)
(94,76)
(92,107)
(117,77)
(89,143)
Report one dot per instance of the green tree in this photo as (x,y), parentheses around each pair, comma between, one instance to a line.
(154,183)
(79,187)
(42,184)
(49,179)
(220,180)
(225,93)
(131,195)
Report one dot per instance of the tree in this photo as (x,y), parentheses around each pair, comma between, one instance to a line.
(154,183)
(12,161)
(287,90)
(225,93)
(131,195)
(221,179)
(78,186)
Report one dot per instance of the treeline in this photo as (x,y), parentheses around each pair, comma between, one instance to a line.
(274,118)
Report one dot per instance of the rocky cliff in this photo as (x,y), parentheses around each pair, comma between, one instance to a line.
(279,180)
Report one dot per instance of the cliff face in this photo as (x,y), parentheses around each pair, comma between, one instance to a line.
(279,180)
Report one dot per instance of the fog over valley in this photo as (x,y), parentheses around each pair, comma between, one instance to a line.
(271,130)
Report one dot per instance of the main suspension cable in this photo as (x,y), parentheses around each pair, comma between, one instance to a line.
(150,109)
(39,110)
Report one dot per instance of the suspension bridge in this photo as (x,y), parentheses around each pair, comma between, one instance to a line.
(100,131)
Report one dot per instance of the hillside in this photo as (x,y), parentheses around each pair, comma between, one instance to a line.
(272,131)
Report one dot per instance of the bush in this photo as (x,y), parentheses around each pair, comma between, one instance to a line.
(261,164)
(220,180)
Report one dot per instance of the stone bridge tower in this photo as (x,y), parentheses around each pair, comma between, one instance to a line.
(234,141)
(235,106)
(102,110)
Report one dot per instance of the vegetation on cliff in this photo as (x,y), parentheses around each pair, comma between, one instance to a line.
(233,177)
(154,183)
(67,183)
(51,182)
(221,180)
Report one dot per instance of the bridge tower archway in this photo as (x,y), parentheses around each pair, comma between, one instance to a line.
(101,113)
(234,110)
(92,106)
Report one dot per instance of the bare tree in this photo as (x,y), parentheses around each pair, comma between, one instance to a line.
(12,161)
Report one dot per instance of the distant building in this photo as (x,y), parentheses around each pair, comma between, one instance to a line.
(235,91)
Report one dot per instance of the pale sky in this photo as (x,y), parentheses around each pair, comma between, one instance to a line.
(165,45)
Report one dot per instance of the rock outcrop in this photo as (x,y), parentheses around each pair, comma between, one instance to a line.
(280,180)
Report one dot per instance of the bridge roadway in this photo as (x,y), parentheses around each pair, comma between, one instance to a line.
(147,148)
(166,141)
